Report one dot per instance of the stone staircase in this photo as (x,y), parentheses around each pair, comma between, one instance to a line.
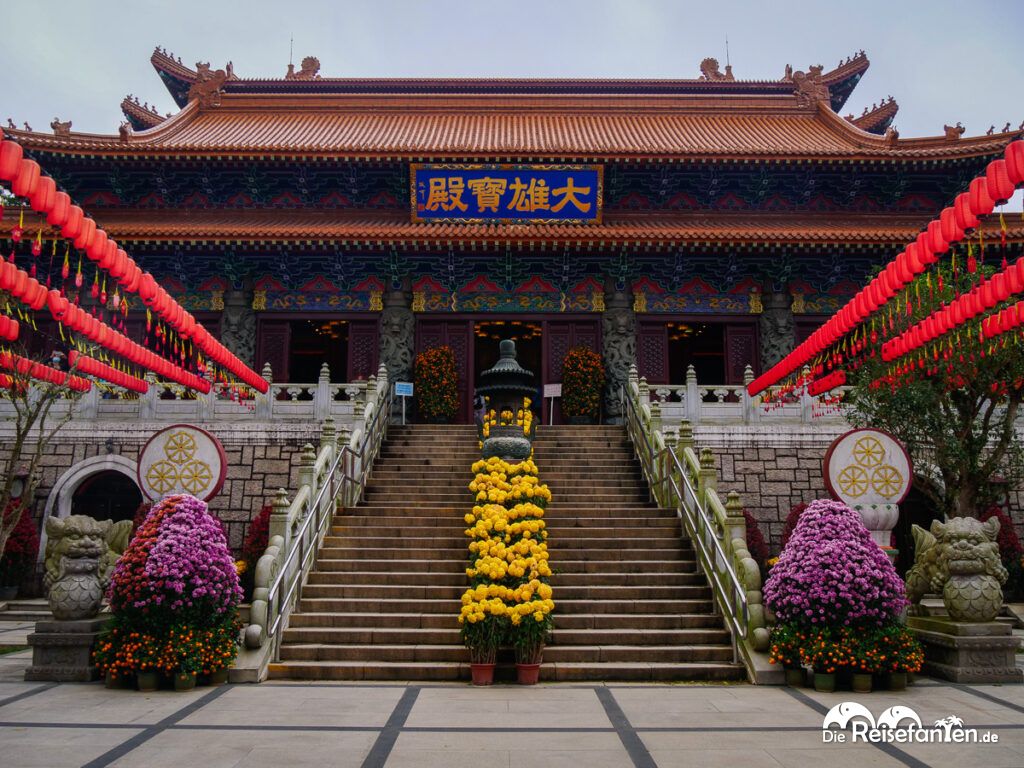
(383,599)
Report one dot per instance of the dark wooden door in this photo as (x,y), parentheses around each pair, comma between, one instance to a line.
(559,337)
(363,349)
(272,342)
(740,351)
(652,351)
(457,334)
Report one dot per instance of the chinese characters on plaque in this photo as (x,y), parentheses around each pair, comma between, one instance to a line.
(566,194)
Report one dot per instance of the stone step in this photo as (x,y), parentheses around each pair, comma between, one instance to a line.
(452,511)
(310,632)
(553,653)
(314,604)
(453,527)
(458,541)
(553,672)
(416,580)
(631,622)
(344,523)
(439,598)
(417,553)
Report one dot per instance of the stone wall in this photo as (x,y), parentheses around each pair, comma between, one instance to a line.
(775,467)
(261,458)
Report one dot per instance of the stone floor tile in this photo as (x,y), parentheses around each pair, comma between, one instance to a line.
(834,757)
(280,705)
(250,748)
(541,707)
(87,703)
(714,758)
(57,747)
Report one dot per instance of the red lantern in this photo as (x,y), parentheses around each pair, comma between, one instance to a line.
(86,235)
(58,214)
(997,182)
(980,201)
(98,246)
(965,218)
(11,155)
(73,226)
(109,255)
(925,252)
(951,231)
(24,184)
(1014,162)
(46,191)
(937,243)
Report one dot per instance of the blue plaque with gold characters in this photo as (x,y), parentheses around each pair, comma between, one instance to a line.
(564,194)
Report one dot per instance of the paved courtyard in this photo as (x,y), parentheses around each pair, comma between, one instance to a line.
(324,724)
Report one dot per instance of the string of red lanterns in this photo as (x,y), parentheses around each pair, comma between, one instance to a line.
(26,181)
(22,365)
(9,328)
(92,367)
(827,383)
(996,186)
(965,307)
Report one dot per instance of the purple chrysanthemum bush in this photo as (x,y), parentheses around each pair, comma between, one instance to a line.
(834,592)
(831,572)
(174,595)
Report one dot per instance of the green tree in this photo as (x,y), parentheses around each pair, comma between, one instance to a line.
(953,402)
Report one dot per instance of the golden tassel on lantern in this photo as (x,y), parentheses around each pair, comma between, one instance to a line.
(972,263)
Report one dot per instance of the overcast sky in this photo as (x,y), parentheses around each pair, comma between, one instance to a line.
(944,61)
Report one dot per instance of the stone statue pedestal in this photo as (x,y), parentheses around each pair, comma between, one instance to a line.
(967,652)
(62,650)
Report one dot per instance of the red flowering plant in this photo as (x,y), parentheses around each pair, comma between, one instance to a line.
(255,544)
(19,556)
(582,384)
(1011,553)
(174,595)
(436,380)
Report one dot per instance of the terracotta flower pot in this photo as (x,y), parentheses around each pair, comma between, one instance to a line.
(527,674)
(483,674)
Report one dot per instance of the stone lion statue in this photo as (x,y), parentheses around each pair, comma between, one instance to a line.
(80,536)
(959,559)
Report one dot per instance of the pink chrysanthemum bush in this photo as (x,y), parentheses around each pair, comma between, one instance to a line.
(832,578)
(174,595)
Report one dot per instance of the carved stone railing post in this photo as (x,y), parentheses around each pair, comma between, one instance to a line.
(707,477)
(205,405)
(634,376)
(693,401)
(751,415)
(806,401)
(147,400)
(88,406)
(735,523)
(322,397)
(328,435)
(279,518)
(306,474)
(265,402)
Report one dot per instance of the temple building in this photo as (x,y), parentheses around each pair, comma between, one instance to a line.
(709,222)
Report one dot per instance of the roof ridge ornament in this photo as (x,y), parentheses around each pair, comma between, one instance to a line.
(954,132)
(809,86)
(61,129)
(711,73)
(208,86)
(310,70)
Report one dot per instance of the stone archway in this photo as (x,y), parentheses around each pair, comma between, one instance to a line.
(58,503)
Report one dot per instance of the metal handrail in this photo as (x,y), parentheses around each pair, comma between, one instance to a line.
(699,525)
(340,477)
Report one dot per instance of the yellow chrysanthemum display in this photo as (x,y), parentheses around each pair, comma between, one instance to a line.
(510,599)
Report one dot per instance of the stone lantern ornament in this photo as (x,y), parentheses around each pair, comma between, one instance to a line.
(505,385)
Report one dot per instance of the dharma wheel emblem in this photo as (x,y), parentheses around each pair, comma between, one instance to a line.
(867,466)
(182,459)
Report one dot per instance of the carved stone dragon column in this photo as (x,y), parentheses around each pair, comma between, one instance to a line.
(778,330)
(397,323)
(238,326)
(619,348)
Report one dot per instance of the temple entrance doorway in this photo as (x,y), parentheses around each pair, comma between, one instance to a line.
(297,347)
(106,495)
(528,336)
(917,509)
